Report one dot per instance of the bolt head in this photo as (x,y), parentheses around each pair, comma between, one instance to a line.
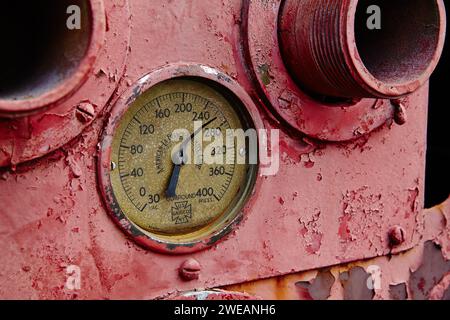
(190,270)
(85,112)
(397,236)
(400,115)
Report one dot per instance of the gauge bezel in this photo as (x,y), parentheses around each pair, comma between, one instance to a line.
(226,224)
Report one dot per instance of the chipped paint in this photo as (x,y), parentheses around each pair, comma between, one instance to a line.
(419,273)
(347,175)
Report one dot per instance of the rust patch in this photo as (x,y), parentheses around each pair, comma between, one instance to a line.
(447,295)
(264,70)
(398,292)
(433,268)
(355,285)
(317,289)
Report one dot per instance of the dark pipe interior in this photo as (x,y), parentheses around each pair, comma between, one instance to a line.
(38,51)
(404,46)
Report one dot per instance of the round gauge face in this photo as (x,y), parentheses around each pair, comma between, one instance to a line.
(180,165)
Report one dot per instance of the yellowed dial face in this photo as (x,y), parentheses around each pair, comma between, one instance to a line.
(174,172)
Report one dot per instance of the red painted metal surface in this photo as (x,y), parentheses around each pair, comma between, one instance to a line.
(331,51)
(336,120)
(349,176)
(67,64)
(26,138)
(418,274)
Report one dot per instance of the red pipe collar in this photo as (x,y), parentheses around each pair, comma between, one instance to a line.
(46,61)
(330,49)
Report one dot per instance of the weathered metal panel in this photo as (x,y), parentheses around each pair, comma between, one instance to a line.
(349,187)
(420,273)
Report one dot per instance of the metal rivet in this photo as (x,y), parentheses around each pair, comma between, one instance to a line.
(85,112)
(396,236)
(400,116)
(190,270)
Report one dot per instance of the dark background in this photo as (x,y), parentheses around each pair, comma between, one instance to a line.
(438,156)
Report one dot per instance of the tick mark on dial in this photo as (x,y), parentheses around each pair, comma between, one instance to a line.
(137,120)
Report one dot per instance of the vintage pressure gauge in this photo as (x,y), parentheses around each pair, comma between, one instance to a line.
(175,164)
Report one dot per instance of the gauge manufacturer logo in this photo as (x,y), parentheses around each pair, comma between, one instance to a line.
(182,212)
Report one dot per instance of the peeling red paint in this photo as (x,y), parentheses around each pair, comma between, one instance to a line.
(418,273)
(311,232)
(49,130)
(347,175)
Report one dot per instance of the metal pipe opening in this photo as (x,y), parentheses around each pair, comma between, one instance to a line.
(46,51)
(365,48)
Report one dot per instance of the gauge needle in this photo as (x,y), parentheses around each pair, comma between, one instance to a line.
(179,159)
(171,189)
